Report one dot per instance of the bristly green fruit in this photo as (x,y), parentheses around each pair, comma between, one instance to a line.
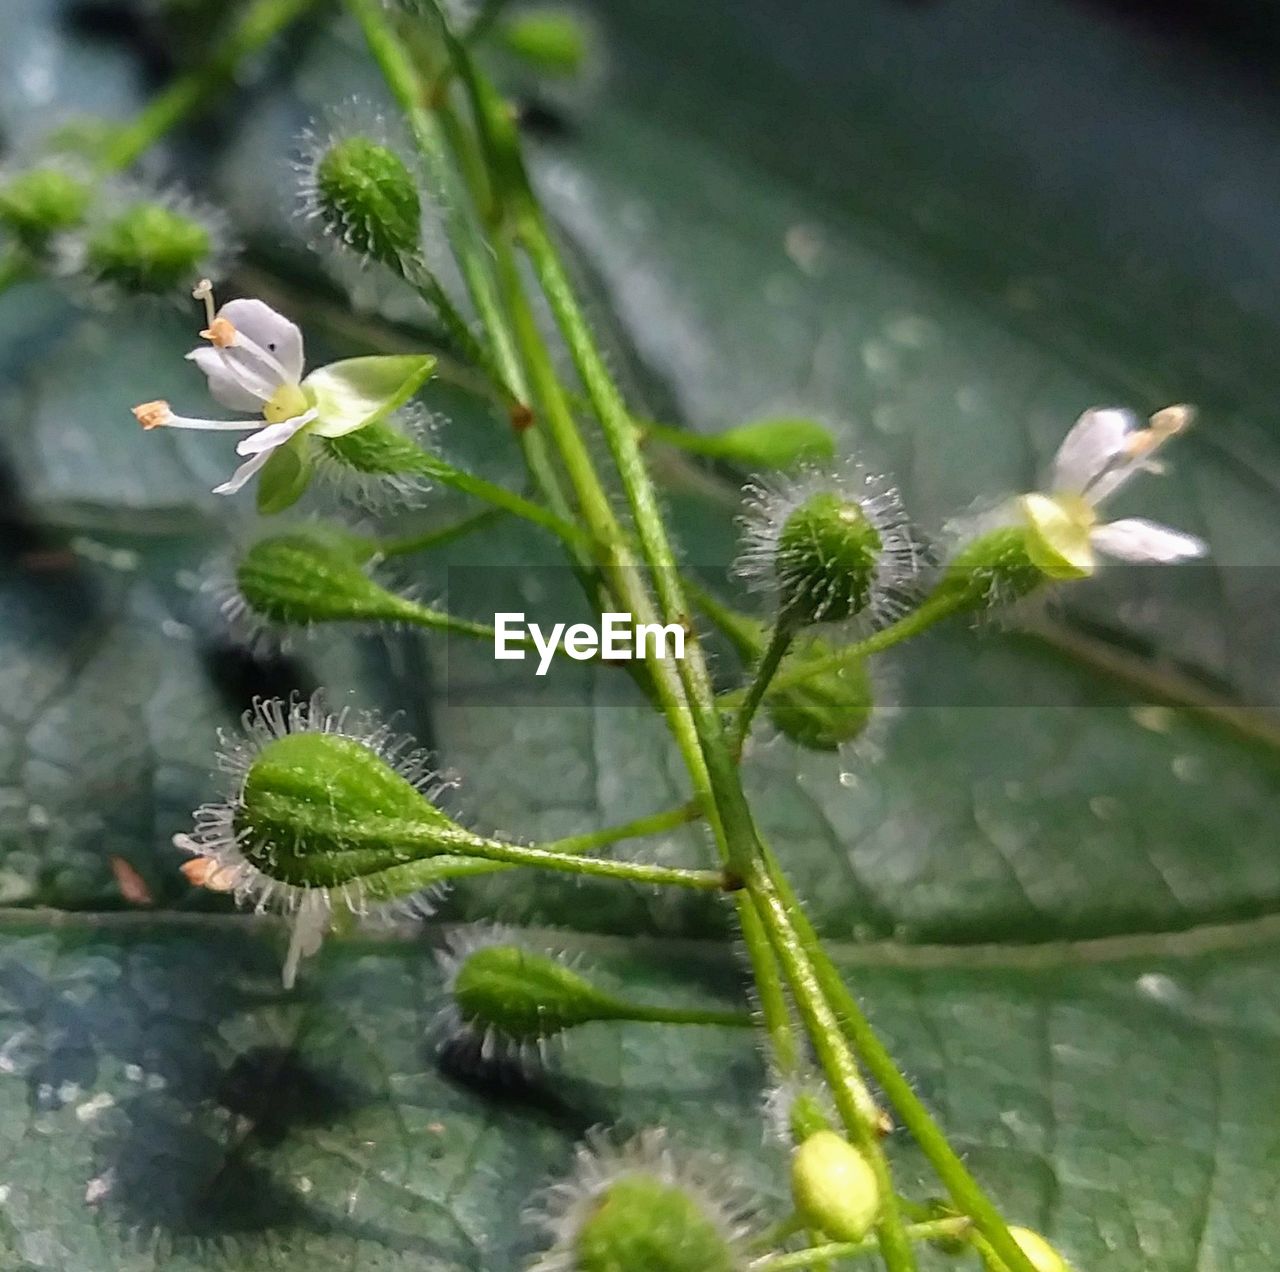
(826,711)
(378,450)
(315,575)
(41,202)
(834,1188)
(368,198)
(993,569)
(149,248)
(826,560)
(526,996)
(321,810)
(642,1221)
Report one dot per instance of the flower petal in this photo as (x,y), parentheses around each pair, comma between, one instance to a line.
(274,434)
(359,391)
(1134,539)
(242,475)
(309,924)
(228,385)
(268,330)
(1095,441)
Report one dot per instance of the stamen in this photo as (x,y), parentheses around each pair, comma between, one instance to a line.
(153,414)
(204,291)
(220,332)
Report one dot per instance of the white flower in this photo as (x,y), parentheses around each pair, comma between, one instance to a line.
(1104,449)
(254,364)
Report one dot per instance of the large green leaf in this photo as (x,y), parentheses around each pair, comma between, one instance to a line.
(946,244)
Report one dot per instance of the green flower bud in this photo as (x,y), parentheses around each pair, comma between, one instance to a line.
(552,40)
(765,445)
(316,575)
(149,248)
(834,1188)
(367,198)
(43,201)
(826,711)
(523,996)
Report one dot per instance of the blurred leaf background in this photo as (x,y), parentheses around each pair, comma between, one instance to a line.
(944,228)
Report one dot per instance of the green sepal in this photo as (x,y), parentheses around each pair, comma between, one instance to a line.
(285,476)
(357,392)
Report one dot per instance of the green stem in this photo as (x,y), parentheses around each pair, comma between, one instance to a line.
(964,1190)
(440,535)
(260,23)
(689,1016)
(779,642)
(933,1230)
(930,611)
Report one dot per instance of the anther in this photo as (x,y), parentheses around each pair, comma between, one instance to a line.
(152,414)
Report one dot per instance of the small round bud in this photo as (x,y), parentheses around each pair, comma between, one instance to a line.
(149,248)
(551,40)
(367,198)
(315,576)
(834,1188)
(826,711)
(43,201)
(1043,1257)
(638,1207)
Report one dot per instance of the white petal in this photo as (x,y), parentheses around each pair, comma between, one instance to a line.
(229,384)
(1134,539)
(240,478)
(310,923)
(274,434)
(268,330)
(1094,443)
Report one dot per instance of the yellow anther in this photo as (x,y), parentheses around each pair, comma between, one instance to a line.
(220,332)
(152,414)
(203,872)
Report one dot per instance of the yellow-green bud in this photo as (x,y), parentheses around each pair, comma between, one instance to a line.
(1044,1258)
(43,201)
(641,1221)
(314,575)
(149,248)
(367,197)
(826,562)
(552,40)
(834,1188)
